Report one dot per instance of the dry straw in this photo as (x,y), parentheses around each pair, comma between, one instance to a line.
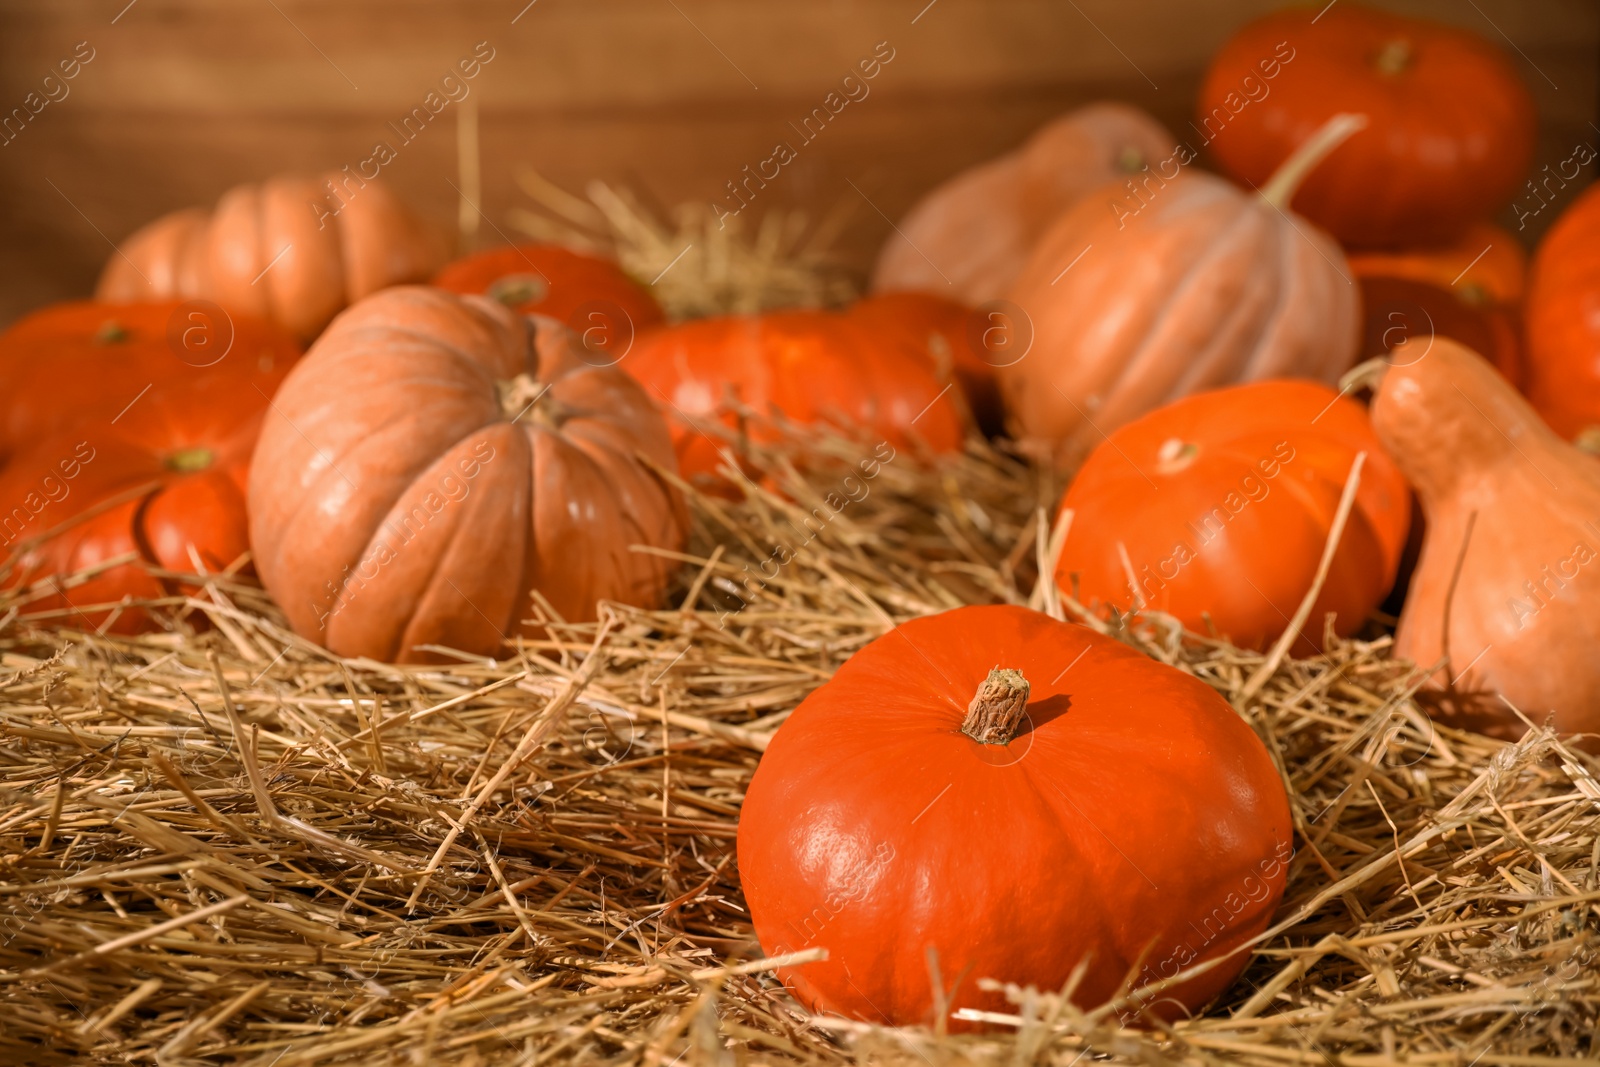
(223,844)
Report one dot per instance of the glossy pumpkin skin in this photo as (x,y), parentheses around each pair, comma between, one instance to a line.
(1137,819)
(1223,502)
(336,247)
(1524,618)
(1398,309)
(806,367)
(967,238)
(145,452)
(953,338)
(1204,285)
(434,460)
(1452,126)
(1563,321)
(594,297)
(1470,291)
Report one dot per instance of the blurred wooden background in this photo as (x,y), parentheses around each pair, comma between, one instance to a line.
(186,97)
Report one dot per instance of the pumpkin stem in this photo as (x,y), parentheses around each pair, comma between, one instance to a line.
(1394,57)
(1367,373)
(111,332)
(1285,181)
(1130,160)
(1175,454)
(524,397)
(190,460)
(998,708)
(514,290)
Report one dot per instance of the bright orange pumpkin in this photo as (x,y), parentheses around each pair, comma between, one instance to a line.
(438,463)
(805,367)
(955,339)
(1216,508)
(129,429)
(593,296)
(1452,124)
(1563,323)
(292,250)
(1082,804)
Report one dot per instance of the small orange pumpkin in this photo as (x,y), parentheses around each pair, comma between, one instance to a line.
(1563,317)
(290,250)
(1216,509)
(802,366)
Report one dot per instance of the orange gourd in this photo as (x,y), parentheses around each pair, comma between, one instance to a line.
(1080,805)
(291,250)
(1563,323)
(1452,124)
(968,238)
(804,367)
(436,460)
(128,430)
(1507,590)
(1470,291)
(594,297)
(954,339)
(1216,509)
(1135,303)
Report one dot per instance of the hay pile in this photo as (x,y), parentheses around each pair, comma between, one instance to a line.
(223,845)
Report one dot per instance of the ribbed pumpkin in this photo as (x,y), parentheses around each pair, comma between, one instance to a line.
(1506,591)
(1215,509)
(592,296)
(805,367)
(968,238)
(129,430)
(292,250)
(1452,124)
(1563,323)
(1080,805)
(1470,291)
(1200,285)
(435,460)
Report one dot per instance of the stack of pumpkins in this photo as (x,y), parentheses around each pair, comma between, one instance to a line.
(456,463)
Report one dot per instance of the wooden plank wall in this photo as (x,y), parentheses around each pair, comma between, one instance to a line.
(183,98)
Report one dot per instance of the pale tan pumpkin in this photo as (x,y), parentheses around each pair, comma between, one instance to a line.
(1139,301)
(967,239)
(1515,508)
(291,250)
(435,460)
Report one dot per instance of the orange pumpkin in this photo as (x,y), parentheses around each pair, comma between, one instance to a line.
(1470,291)
(594,297)
(1506,591)
(1138,302)
(1452,125)
(1081,806)
(1215,509)
(968,238)
(953,338)
(145,453)
(290,250)
(435,461)
(1563,317)
(804,367)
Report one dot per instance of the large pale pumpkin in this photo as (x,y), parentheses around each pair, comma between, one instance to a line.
(292,250)
(1136,302)
(1507,591)
(435,460)
(968,238)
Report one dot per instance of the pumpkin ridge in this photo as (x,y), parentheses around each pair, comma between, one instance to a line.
(1147,352)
